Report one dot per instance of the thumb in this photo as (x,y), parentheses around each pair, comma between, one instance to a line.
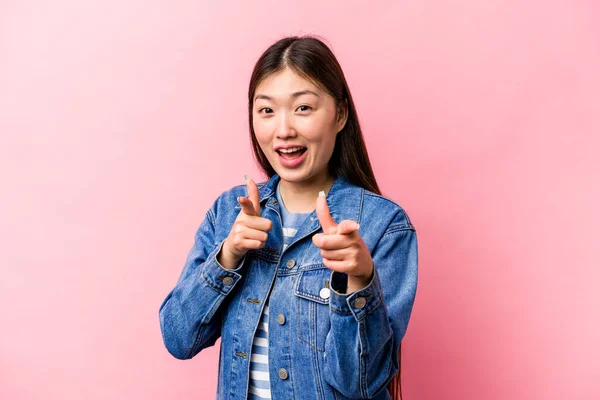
(253,195)
(322,209)
(347,226)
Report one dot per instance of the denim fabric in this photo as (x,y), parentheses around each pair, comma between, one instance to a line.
(329,344)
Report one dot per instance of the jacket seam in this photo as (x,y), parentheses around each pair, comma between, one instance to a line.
(399,228)
(360,206)
(211,216)
(362,359)
(299,322)
(201,329)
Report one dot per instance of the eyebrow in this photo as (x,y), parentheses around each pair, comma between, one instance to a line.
(293,95)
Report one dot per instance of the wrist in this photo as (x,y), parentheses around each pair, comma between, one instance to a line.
(359,282)
(226,258)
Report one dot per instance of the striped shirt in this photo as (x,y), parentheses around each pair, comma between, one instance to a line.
(259,385)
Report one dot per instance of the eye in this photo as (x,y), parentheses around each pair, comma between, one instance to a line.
(264,108)
(306,108)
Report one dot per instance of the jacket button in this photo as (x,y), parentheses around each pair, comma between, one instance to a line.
(360,302)
(283,374)
(324,293)
(281,319)
(227,280)
(291,262)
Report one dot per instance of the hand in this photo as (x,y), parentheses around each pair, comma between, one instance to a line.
(342,248)
(249,231)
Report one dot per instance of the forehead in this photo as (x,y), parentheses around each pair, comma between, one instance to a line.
(284,83)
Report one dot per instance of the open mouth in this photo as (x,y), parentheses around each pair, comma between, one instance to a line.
(291,154)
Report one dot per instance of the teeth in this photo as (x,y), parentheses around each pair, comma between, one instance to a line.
(293,149)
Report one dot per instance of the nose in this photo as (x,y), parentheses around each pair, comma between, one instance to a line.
(285,128)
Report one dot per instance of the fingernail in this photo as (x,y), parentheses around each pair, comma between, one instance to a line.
(321,193)
(245,178)
(357,226)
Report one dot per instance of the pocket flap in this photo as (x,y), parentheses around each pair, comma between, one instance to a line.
(311,282)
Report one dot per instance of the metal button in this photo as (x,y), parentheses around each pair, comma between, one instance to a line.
(227,280)
(324,293)
(360,302)
(281,319)
(291,262)
(283,374)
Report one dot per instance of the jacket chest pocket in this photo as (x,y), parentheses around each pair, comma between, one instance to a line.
(312,302)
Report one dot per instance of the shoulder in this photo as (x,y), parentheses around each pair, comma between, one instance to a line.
(389,213)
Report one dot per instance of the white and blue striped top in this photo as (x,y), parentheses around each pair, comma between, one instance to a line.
(259,386)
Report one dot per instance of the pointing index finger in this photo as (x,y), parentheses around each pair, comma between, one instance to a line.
(253,195)
(322,209)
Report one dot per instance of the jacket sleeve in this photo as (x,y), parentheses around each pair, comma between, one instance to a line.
(367,326)
(189,316)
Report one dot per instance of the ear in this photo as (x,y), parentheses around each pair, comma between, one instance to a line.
(342,115)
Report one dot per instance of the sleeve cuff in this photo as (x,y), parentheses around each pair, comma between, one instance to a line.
(359,303)
(221,279)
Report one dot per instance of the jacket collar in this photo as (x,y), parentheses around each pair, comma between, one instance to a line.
(344,198)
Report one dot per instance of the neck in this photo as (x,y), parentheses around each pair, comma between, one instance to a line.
(301,197)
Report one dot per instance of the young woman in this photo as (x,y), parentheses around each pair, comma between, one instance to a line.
(309,278)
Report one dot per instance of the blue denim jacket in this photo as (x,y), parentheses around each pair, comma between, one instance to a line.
(322,344)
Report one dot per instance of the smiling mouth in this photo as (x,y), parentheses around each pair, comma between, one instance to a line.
(292,155)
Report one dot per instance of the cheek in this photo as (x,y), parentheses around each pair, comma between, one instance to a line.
(318,130)
(322,137)
(261,132)
(313,131)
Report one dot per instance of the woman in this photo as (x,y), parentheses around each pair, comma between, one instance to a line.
(310,279)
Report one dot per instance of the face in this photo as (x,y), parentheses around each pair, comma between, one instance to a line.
(296,125)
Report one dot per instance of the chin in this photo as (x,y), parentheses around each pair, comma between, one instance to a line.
(295,176)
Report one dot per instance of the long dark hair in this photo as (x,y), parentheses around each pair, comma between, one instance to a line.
(312,59)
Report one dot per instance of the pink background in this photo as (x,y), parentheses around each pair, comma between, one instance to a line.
(122,121)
